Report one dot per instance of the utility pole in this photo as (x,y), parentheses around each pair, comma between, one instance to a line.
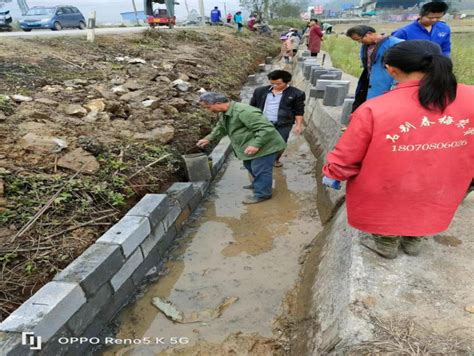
(201,10)
(225,9)
(135,11)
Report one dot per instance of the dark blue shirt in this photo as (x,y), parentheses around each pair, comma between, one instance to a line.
(440,33)
(215,15)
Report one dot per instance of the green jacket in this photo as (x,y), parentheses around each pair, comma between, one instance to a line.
(246,126)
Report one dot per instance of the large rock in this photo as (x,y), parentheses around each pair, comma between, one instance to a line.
(42,144)
(151,104)
(162,134)
(96,105)
(119,90)
(181,85)
(132,96)
(79,160)
(132,84)
(75,110)
(21,98)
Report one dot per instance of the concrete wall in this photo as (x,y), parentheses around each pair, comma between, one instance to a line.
(86,295)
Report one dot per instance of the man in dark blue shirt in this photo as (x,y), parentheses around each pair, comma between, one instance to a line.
(215,16)
(429,27)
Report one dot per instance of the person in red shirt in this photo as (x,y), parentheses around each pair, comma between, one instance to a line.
(314,38)
(408,155)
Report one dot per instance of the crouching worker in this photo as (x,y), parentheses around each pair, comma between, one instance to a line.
(408,155)
(254,140)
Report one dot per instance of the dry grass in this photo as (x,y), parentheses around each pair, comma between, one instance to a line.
(405,337)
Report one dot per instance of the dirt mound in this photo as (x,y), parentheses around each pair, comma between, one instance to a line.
(78,120)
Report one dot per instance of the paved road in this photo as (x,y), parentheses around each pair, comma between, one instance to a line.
(49,33)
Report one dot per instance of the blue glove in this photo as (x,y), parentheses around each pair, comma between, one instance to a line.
(331,183)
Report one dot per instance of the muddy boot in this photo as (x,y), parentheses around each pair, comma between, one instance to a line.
(411,245)
(385,246)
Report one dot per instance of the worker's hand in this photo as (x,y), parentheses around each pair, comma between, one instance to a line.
(298,129)
(251,150)
(202,143)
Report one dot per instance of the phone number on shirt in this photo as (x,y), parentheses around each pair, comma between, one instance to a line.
(428,146)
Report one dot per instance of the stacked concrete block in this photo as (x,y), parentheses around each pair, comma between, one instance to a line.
(316,93)
(337,73)
(85,296)
(47,311)
(219,154)
(328,76)
(316,74)
(346,110)
(268,60)
(307,68)
(334,95)
(322,83)
(262,67)
(306,54)
(252,79)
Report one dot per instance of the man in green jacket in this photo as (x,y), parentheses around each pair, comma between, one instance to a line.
(254,140)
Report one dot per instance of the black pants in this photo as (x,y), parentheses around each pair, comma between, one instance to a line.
(314,54)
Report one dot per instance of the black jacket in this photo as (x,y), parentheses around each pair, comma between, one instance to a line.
(291,104)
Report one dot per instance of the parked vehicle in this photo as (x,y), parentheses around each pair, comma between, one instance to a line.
(5,20)
(55,18)
(161,18)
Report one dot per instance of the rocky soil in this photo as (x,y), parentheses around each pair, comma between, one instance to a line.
(87,129)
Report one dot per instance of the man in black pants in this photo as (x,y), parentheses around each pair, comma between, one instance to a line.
(282,104)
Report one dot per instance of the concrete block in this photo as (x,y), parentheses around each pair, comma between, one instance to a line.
(334,95)
(167,241)
(196,199)
(203,186)
(153,262)
(47,311)
(261,67)
(118,300)
(93,268)
(172,215)
(346,111)
(328,76)
(152,240)
(219,155)
(316,93)
(129,233)
(322,83)
(268,60)
(316,73)
(338,74)
(300,59)
(252,79)
(10,345)
(197,167)
(306,54)
(308,67)
(127,269)
(181,192)
(87,313)
(54,347)
(151,206)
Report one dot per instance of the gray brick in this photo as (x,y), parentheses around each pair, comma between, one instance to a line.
(316,73)
(152,240)
(151,206)
(346,111)
(167,241)
(118,300)
(196,199)
(308,67)
(306,54)
(219,155)
(329,76)
(197,167)
(181,192)
(300,59)
(93,268)
(86,314)
(10,345)
(152,261)
(268,60)
(202,186)
(252,79)
(316,93)
(47,310)
(334,95)
(172,215)
(322,83)
(126,271)
(129,233)
(53,347)
(338,74)
(261,67)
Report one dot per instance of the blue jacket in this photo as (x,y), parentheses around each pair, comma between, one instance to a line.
(215,15)
(379,80)
(440,34)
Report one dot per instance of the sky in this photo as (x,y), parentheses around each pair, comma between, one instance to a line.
(109,11)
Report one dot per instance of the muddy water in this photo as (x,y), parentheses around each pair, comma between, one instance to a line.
(232,250)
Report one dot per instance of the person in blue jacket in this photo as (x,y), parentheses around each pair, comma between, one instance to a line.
(374,80)
(429,27)
(215,16)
